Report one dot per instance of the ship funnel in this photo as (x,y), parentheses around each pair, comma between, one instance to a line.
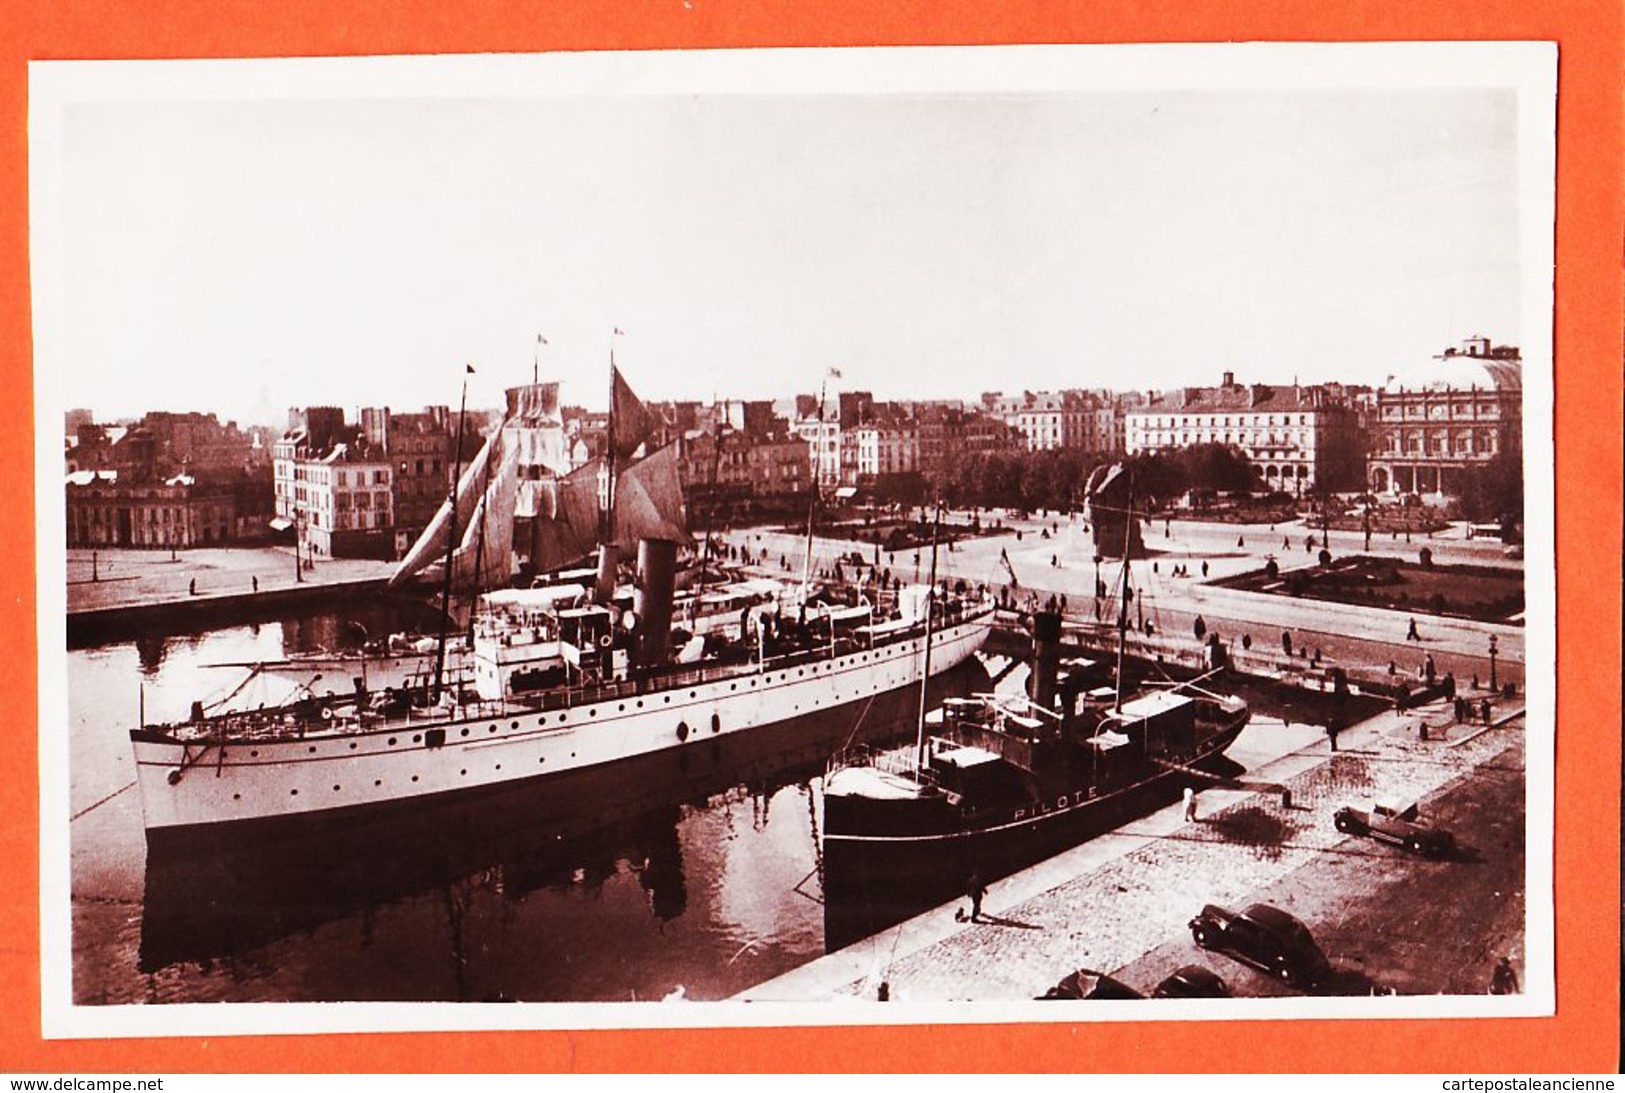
(651,598)
(1046,659)
(609,565)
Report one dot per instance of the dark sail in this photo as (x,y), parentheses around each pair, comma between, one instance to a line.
(633,423)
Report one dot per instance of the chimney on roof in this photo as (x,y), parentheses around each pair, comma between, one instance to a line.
(1229,380)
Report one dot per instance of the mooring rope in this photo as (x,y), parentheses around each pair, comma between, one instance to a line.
(100,803)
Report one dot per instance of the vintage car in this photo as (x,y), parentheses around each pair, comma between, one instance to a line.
(1267,938)
(1392,824)
(1084,983)
(1192,981)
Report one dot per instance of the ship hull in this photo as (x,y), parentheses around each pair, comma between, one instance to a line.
(188,785)
(885,862)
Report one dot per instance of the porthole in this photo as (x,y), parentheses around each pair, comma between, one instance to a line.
(621,708)
(682,730)
(335,789)
(377,781)
(392,741)
(463,771)
(417,738)
(236,796)
(593,712)
(255,754)
(414,777)
(640,703)
(352,747)
(465,732)
(541,759)
(693,694)
(312,749)
(563,717)
(499,766)
(716,722)
(293,793)
(733,686)
(668,700)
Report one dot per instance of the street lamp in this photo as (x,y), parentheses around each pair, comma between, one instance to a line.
(1493,684)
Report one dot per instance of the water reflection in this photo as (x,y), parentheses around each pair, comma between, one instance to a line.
(520,858)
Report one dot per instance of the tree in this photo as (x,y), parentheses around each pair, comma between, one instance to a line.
(1493,490)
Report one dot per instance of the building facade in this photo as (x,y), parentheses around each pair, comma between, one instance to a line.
(1297,439)
(1433,423)
(334,487)
(175,513)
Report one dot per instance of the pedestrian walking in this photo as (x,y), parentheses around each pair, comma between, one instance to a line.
(1286,542)
(1204,569)
(1484,710)
(1286,642)
(1504,980)
(1190,805)
(256,584)
(1411,634)
(975,890)
(1246,641)
(191,589)
(1432,672)
(1240,541)
(1200,627)
(1331,733)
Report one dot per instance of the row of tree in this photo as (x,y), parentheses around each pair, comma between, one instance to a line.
(1055,479)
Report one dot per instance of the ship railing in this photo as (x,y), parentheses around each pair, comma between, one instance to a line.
(896,761)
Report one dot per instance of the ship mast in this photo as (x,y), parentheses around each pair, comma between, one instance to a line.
(451,542)
(1122,608)
(812,504)
(925,669)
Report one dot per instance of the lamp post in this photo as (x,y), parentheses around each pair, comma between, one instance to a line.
(1494,685)
(298,534)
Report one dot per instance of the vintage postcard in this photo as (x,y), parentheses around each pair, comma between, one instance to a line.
(795,537)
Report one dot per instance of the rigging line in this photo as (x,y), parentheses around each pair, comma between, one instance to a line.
(856,725)
(100,803)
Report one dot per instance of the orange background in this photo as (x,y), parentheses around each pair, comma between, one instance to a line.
(1583,1037)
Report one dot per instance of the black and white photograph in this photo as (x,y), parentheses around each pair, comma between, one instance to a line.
(795,536)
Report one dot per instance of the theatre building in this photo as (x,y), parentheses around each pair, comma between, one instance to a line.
(1459,410)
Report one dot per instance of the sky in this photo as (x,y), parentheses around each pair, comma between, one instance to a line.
(243,255)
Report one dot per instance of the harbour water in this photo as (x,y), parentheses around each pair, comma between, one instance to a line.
(696,870)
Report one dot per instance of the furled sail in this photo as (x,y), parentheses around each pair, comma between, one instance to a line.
(484,557)
(565,528)
(431,545)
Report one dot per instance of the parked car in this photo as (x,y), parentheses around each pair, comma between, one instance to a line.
(1267,938)
(1192,981)
(1084,983)
(1392,824)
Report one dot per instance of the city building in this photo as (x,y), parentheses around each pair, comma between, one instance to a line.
(334,487)
(422,449)
(1296,438)
(177,513)
(1457,411)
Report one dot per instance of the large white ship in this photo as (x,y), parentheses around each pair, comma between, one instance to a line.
(556,679)
(321,754)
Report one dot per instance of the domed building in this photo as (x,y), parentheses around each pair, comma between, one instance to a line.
(1457,411)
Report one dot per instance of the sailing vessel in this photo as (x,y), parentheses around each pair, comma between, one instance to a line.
(575,682)
(996,782)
